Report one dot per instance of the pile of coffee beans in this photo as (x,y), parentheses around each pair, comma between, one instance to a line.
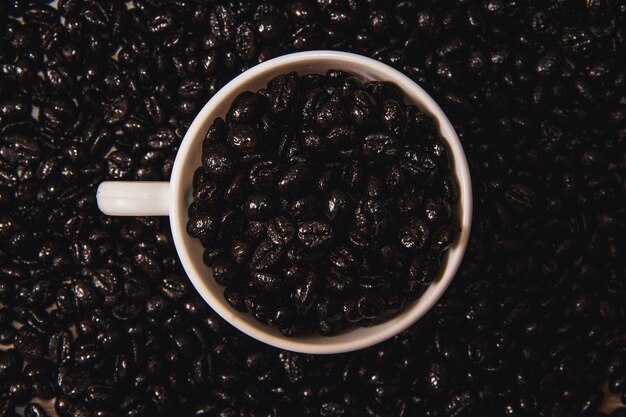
(97,316)
(323,201)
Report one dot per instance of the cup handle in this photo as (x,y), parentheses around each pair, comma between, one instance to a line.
(134,198)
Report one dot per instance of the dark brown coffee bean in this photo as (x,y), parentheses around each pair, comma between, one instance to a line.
(414,234)
(305,294)
(295,177)
(259,206)
(218,160)
(202,227)
(266,255)
(315,234)
(370,306)
(264,175)
(305,207)
(381,147)
(280,230)
(221,23)
(242,138)
(226,273)
(283,95)
(362,107)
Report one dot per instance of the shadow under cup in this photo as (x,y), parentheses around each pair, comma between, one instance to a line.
(189,159)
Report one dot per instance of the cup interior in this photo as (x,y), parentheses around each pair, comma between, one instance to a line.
(189,158)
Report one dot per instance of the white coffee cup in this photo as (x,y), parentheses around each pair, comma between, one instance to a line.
(140,198)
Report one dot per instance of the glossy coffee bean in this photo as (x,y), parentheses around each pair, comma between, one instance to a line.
(414,234)
(315,234)
(306,293)
(246,108)
(218,160)
(280,230)
(243,138)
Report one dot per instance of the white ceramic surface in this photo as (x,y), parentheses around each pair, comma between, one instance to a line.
(173,198)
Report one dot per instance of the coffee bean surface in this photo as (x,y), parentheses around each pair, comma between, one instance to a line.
(97,317)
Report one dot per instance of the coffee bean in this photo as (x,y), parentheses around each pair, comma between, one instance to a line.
(381,147)
(264,175)
(242,138)
(370,305)
(414,234)
(294,178)
(259,206)
(218,160)
(305,294)
(283,93)
(280,230)
(315,234)
(202,226)
(266,255)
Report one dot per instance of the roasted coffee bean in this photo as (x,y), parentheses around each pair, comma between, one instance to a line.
(370,306)
(259,206)
(329,309)
(283,93)
(255,229)
(520,197)
(202,227)
(280,230)
(225,273)
(116,111)
(221,24)
(207,193)
(342,136)
(381,147)
(338,205)
(294,178)
(240,251)
(30,343)
(235,298)
(311,102)
(235,190)
(264,175)
(410,200)
(420,164)
(242,138)
(392,117)
(305,294)
(267,280)
(315,234)
(218,160)
(422,270)
(10,364)
(174,287)
(216,133)
(329,113)
(311,140)
(444,236)
(305,207)
(414,234)
(245,41)
(373,282)
(19,391)
(362,106)
(436,210)
(266,255)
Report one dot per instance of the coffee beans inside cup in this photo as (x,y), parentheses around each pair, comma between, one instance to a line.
(323,202)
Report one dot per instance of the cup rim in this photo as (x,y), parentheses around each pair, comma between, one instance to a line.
(386,329)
